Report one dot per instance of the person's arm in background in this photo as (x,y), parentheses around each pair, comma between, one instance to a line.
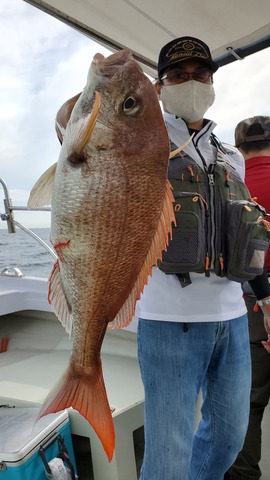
(261,289)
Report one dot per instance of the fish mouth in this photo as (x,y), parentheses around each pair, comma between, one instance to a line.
(106,67)
(117,58)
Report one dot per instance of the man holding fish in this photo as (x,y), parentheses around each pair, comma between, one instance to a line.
(112,214)
(192,332)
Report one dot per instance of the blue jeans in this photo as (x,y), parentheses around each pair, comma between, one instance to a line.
(175,364)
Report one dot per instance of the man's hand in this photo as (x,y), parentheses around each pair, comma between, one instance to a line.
(266,344)
(266,317)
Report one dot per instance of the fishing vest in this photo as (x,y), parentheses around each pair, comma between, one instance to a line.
(219,228)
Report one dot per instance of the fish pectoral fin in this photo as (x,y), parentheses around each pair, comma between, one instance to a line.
(41,192)
(87,395)
(159,243)
(60,129)
(58,300)
(78,134)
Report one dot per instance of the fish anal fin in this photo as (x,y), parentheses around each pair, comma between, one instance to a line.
(41,192)
(58,300)
(159,243)
(86,394)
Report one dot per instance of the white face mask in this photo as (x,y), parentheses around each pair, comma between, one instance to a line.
(189,100)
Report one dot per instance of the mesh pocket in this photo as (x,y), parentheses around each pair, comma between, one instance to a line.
(185,247)
(186,250)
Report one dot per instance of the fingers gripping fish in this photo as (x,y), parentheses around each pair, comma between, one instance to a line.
(111,215)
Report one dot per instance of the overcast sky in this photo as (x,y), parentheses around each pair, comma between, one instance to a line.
(43,62)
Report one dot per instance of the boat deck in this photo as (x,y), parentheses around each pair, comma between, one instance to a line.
(38,353)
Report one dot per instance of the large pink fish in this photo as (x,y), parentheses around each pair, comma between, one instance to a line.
(111,214)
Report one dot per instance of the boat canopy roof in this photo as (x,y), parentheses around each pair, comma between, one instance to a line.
(232,29)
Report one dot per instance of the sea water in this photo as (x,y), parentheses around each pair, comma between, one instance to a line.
(22,251)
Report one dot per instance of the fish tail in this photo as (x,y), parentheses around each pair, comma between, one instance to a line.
(86,394)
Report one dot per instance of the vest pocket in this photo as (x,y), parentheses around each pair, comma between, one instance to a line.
(246,240)
(186,250)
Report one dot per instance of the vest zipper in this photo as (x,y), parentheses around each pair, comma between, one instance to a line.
(211,182)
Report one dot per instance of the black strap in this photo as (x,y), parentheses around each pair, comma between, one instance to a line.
(217,143)
(63,454)
(184,279)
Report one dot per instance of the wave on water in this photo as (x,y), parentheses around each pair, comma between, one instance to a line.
(24,252)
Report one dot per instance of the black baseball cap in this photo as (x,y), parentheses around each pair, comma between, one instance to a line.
(185,48)
(253,129)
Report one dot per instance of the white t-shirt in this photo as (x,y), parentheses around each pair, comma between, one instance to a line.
(207,299)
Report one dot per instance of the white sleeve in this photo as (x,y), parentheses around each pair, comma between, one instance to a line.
(238,159)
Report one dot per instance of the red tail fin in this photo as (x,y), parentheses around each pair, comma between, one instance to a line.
(87,395)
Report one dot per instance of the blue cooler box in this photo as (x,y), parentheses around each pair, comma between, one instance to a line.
(27,446)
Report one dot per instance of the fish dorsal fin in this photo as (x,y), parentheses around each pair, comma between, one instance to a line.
(41,192)
(159,243)
(58,300)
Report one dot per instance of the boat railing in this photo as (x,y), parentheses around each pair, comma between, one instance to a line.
(8,216)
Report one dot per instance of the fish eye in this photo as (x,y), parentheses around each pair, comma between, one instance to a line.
(130,105)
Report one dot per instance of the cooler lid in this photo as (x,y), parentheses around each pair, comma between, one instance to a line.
(21,433)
